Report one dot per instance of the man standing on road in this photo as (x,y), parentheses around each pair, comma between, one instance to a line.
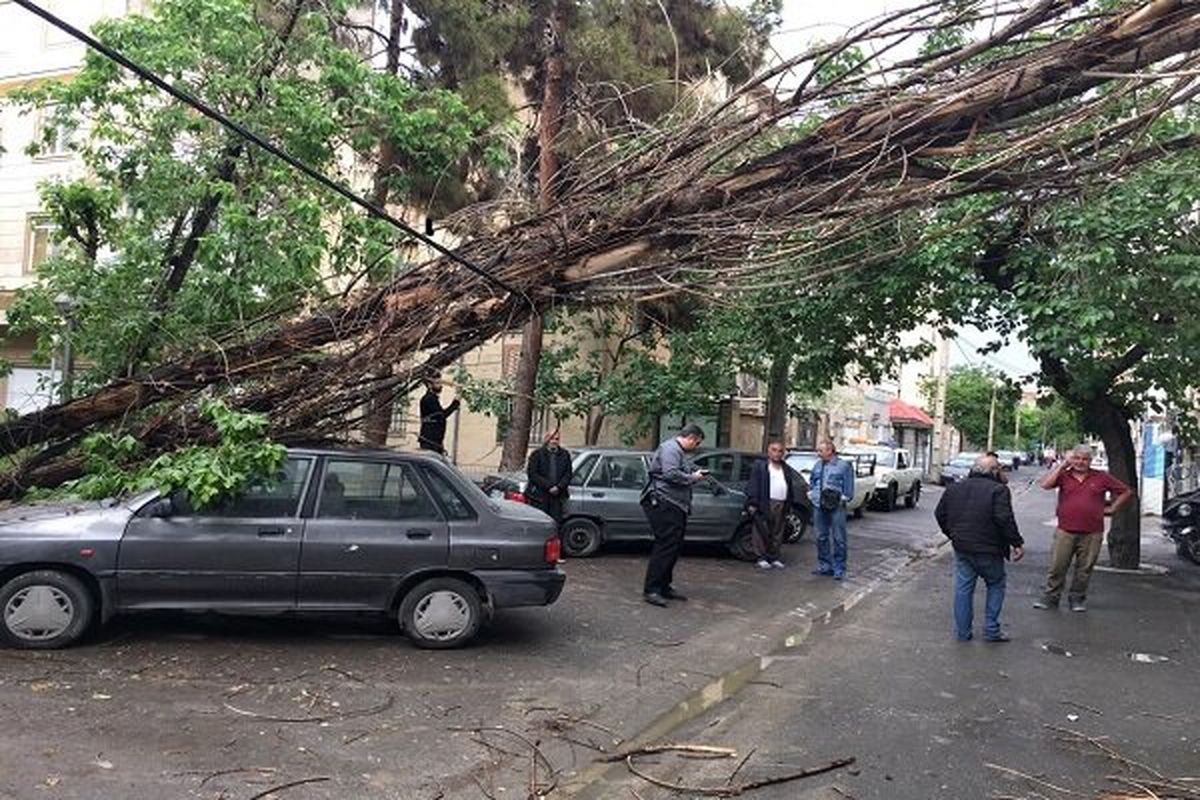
(771,496)
(831,489)
(667,501)
(977,517)
(549,473)
(1082,505)
(433,416)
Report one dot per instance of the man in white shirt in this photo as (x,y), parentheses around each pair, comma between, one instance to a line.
(770,493)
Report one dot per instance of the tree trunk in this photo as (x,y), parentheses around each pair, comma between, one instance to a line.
(775,421)
(377,421)
(516,441)
(595,423)
(1112,424)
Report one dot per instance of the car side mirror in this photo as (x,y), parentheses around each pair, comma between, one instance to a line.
(161,508)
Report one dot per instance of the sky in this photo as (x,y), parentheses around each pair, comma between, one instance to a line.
(805,21)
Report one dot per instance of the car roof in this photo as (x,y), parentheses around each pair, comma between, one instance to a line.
(368,452)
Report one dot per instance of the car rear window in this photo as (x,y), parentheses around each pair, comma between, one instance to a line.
(378,490)
(619,472)
(583,470)
(450,499)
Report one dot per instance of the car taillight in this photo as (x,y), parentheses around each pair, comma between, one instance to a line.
(516,497)
(553,550)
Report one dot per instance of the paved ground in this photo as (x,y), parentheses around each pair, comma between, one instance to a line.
(928,717)
(208,707)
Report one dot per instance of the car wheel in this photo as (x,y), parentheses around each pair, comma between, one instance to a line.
(891,497)
(580,538)
(1189,551)
(742,543)
(441,613)
(914,496)
(44,610)
(857,513)
(797,526)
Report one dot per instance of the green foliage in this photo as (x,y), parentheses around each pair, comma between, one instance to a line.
(172,198)
(969,392)
(114,464)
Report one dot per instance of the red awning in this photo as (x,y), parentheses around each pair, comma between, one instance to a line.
(901,413)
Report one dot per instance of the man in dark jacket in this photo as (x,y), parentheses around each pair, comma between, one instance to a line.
(976,515)
(772,493)
(433,417)
(549,473)
(666,502)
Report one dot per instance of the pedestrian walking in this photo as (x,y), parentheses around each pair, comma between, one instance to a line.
(549,473)
(666,502)
(432,435)
(977,517)
(1083,502)
(773,492)
(831,488)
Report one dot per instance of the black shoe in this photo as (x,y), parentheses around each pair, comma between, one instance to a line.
(999,638)
(1045,604)
(655,599)
(671,594)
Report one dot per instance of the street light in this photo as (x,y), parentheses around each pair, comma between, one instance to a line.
(66,307)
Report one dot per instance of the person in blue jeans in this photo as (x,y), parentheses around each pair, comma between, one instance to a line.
(831,486)
(976,515)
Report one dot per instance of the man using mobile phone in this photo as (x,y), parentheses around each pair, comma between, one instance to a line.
(666,502)
(1083,502)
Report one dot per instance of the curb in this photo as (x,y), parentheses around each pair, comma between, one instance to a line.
(592,781)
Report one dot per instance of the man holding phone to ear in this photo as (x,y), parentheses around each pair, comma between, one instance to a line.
(667,501)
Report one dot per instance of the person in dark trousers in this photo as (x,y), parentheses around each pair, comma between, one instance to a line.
(1083,502)
(549,473)
(831,488)
(433,417)
(773,492)
(976,515)
(667,501)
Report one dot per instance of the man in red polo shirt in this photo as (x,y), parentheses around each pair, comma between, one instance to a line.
(1082,504)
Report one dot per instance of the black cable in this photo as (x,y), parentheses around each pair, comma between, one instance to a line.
(251,136)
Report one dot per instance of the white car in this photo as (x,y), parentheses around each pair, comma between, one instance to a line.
(803,460)
(895,477)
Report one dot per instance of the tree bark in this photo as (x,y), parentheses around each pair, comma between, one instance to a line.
(778,383)
(377,421)
(516,441)
(1111,423)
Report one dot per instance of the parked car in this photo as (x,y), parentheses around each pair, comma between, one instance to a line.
(958,468)
(864,465)
(1009,459)
(732,468)
(400,534)
(895,477)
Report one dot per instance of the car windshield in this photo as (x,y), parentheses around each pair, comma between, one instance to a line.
(802,461)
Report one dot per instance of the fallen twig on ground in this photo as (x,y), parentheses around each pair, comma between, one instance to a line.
(353,714)
(1073,704)
(741,788)
(707,751)
(1032,779)
(290,785)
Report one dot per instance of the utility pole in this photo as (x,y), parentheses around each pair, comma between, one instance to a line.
(1017,427)
(992,417)
(941,368)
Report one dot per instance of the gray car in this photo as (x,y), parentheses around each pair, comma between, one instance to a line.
(400,534)
(957,468)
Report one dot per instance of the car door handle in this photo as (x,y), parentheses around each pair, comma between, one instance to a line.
(265,533)
(597,494)
(419,533)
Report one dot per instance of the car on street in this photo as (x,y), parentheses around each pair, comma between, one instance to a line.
(1009,459)
(957,468)
(895,476)
(400,534)
(803,460)
(732,468)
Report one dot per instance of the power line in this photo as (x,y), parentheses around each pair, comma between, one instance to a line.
(251,136)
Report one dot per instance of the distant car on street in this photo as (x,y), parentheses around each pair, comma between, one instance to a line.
(864,465)
(895,477)
(957,468)
(1009,459)
(400,534)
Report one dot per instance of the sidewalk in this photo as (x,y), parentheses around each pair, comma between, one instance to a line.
(928,717)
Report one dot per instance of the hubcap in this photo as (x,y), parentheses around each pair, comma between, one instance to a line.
(38,613)
(578,538)
(442,615)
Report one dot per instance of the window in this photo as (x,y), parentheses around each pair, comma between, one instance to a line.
(719,464)
(583,470)
(39,242)
(372,490)
(451,501)
(277,498)
(401,416)
(744,469)
(901,461)
(619,472)
(52,137)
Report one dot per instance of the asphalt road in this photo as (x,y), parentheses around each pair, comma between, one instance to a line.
(928,717)
(220,707)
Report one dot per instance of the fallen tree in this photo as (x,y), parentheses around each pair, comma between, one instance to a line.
(702,207)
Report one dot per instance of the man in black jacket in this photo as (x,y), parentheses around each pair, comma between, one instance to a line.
(772,493)
(549,473)
(432,435)
(976,515)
